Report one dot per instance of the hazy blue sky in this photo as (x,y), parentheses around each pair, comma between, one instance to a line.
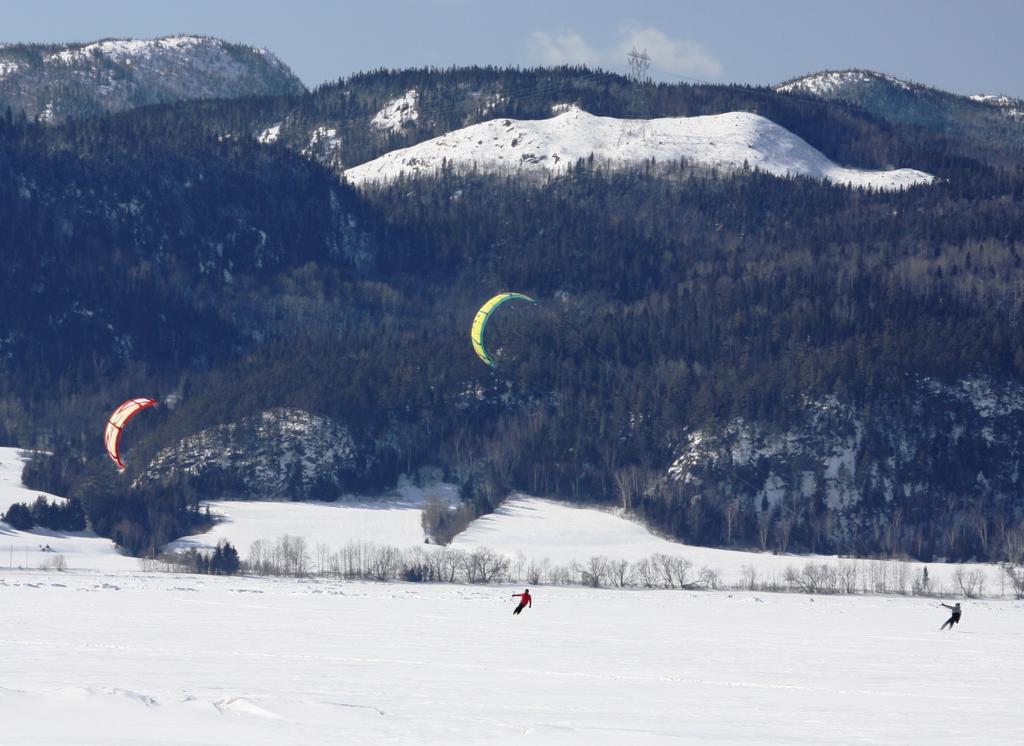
(967,46)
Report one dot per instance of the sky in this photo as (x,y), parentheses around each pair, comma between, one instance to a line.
(960,46)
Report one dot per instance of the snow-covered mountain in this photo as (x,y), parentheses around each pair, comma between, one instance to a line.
(56,81)
(987,119)
(730,142)
(840,83)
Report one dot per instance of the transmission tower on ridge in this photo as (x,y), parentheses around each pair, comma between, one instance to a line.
(639,64)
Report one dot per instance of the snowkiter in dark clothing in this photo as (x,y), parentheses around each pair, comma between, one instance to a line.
(525,599)
(954,618)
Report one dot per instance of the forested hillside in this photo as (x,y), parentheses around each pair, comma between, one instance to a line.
(184,253)
(54,82)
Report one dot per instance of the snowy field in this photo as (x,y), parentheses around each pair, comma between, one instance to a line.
(167,659)
(547,530)
(106,654)
(523,528)
(27,549)
(394,519)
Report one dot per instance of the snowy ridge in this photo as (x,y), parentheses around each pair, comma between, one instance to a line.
(118,74)
(133,50)
(897,98)
(1012,107)
(727,141)
(826,84)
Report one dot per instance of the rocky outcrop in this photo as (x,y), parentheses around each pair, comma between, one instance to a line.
(938,468)
(281,454)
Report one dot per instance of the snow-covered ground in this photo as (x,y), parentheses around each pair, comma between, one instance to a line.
(12,462)
(395,520)
(105,653)
(726,141)
(544,532)
(547,530)
(27,549)
(547,533)
(166,659)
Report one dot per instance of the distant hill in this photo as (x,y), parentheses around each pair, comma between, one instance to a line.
(985,120)
(729,141)
(55,81)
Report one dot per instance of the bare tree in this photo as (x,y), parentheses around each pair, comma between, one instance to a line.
(258,557)
(979,521)
(593,572)
(1016,576)
(484,565)
(323,555)
(818,577)
(646,572)
(784,529)
(763,526)
(900,576)
(971,584)
(621,573)
(729,515)
(535,572)
(1013,545)
(630,482)
(749,577)
(847,573)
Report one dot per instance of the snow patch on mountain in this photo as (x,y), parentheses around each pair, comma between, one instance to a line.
(988,400)
(827,84)
(1012,107)
(397,113)
(131,50)
(324,147)
(270,134)
(731,142)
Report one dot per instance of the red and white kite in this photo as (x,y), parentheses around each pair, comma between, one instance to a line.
(116,423)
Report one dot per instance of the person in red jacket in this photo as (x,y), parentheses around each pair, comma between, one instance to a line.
(525,599)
